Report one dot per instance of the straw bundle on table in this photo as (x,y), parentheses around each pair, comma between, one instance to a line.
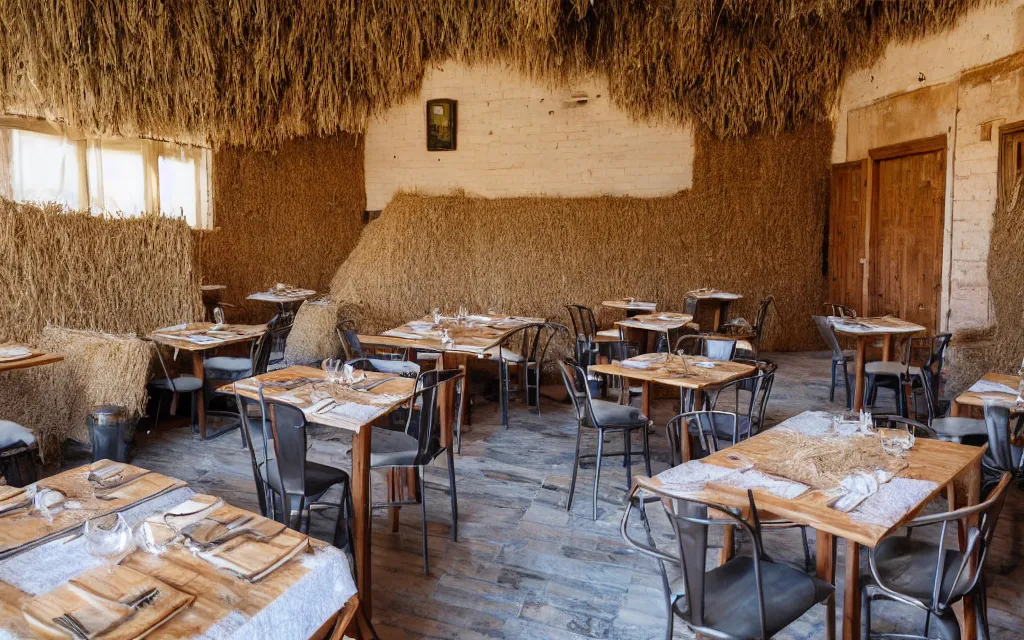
(252,72)
(54,400)
(823,462)
(313,336)
(735,230)
(81,271)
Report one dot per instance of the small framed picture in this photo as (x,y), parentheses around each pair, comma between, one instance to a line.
(441,125)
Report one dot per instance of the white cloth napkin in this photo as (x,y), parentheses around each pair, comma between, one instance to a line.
(634,364)
(986,386)
(203,339)
(360,412)
(394,333)
(14,353)
(704,365)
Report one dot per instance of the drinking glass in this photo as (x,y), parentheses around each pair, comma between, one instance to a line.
(109,538)
(435,313)
(47,502)
(332,367)
(446,338)
(462,314)
(218,315)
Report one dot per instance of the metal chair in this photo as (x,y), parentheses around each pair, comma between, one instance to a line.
(585,332)
(931,577)
(178,384)
(840,358)
(1002,456)
(749,397)
(837,310)
(419,443)
(750,336)
(602,416)
(353,348)
(917,429)
(714,346)
(620,351)
(523,349)
(747,597)
(899,376)
(949,428)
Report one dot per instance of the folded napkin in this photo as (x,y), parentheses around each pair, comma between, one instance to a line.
(635,364)
(384,398)
(704,365)
(361,412)
(253,558)
(203,339)
(14,353)
(160,528)
(986,386)
(101,601)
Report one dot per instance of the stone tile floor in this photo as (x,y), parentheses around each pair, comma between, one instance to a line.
(524,567)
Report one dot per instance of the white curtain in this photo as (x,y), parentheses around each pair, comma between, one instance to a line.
(41,167)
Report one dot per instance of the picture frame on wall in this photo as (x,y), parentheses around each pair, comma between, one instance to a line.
(441,124)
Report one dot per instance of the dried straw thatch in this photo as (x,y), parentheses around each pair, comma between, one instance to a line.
(97,369)
(313,337)
(81,271)
(252,72)
(756,202)
(289,216)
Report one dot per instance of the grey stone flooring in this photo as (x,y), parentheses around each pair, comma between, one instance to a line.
(524,567)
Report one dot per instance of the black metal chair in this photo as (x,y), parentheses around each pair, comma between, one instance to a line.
(747,597)
(900,376)
(930,576)
(917,429)
(585,332)
(714,346)
(524,350)
(840,358)
(837,310)
(749,397)
(749,337)
(177,384)
(353,348)
(622,350)
(286,482)
(1002,456)
(419,443)
(602,416)
(949,428)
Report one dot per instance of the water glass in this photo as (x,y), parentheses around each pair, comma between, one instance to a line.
(218,315)
(109,538)
(435,313)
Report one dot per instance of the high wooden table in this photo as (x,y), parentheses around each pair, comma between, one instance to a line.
(970,400)
(179,338)
(720,299)
(866,330)
(631,306)
(644,329)
(955,468)
(362,432)
(675,371)
(36,359)
(285,299)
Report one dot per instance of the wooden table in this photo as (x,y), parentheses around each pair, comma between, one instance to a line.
(955,468)
(675,371)
(866,330)
(970,400)
(362,433)
(285,299)
(644,329)
(177,337)
(631,306)
(721,300)
(38,358)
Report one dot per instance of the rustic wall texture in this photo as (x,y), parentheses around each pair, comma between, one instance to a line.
(289,215)
(755,204)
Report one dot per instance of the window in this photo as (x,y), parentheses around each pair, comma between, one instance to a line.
(1011,157)
(45,162)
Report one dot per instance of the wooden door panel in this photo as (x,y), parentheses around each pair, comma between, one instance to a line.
(846,234)
(907,220)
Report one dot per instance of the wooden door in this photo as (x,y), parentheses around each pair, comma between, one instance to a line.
(905,238)
(846,234)
(1011,157)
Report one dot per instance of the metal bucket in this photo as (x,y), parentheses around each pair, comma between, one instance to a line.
(110,430)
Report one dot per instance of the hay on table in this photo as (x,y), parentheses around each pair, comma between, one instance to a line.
(823,462)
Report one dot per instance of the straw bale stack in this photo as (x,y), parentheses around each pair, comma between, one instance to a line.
(54,400)
(251,72)
(756,203)
(313,336)
(80,271)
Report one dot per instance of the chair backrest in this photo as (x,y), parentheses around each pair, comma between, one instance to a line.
(914,427)
(584,322)
(424,421)
(1001,456)
(690,306)
(401,368)
(704,423)
(749,397)
(719,348)
(969,564)
(935,347)
(275,337)
(828,334)
(621,350)
(259,441)
(288,430)
(762,318)
(163,366)
(575,380)
(691,524)
(838,310)
(349,339)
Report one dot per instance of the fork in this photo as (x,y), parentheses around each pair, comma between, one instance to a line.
(71,624)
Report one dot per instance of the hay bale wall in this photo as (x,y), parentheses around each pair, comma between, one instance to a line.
(252,72)
(753,223)
(289,215)
(97,369)
(80,271)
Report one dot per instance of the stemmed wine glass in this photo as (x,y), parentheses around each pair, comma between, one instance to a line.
(109,538)
(435,313)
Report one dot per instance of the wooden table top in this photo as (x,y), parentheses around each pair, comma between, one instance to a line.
(713,294)
(873,326)
(212,287)
(283,296)
(630,304)
(304,387)
(678,371)
(38,358)
(934,460)
(479,334)
(662,322)
(977,399)
(23,529)
(178,337)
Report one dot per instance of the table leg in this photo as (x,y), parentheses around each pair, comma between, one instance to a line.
(954,409)
(199,372)
(825,550)
(717,318)
(858,393)
(887,347)
(851,592)
(361,514)
(645,396)
(965,491)
(728,536)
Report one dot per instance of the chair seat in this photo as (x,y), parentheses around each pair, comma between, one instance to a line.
(319,477)
(959,427)
(397,367)
(849,355)
(234,367)
(907,565)
(613,414)
(392,449)
(890,368)
(609,333)
(788,594)
(181,384)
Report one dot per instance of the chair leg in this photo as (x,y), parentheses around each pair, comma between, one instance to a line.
(597,469)
(503,391)
(195,412)
(423,512)
(849,390)
(808,564)
(647,452)
(865,613)
(454,497)
(832,387)
(671,623)
(159,405)
(575,467)
(342,524)
(627,441)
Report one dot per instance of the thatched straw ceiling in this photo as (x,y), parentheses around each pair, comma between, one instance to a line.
(259,71)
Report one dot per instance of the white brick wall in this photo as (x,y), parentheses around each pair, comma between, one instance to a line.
(984,36)
(517,138)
